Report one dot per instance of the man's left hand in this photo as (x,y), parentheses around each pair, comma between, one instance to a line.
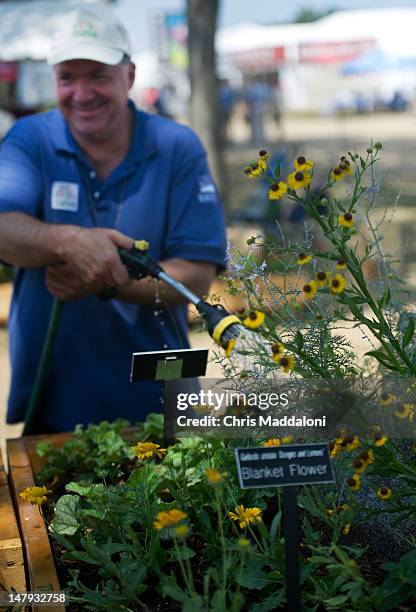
(65,284)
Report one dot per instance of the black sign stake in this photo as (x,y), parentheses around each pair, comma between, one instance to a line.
(291,535)
(287,466)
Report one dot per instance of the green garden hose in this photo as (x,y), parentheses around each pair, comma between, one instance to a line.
(47,350)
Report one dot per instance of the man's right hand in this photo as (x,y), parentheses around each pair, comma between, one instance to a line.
(92,254)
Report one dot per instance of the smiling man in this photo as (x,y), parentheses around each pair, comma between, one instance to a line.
(75,184)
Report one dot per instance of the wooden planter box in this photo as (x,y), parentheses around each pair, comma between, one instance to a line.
(24,463)
(12,570)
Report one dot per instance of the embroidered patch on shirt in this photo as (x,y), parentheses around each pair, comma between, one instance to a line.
(64,196)
(207,191)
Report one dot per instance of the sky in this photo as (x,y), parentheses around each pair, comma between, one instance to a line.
(137,14)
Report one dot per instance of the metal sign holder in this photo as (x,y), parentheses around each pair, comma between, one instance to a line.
(179,369)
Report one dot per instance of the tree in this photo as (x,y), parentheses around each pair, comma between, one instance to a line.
(202,22)
(306,15)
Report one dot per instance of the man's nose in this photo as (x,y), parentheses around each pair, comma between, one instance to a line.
(83,92)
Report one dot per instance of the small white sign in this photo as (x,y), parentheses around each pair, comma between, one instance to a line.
(65,196)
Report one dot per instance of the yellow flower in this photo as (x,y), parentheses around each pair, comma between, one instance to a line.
(277,350)
(297,180)
(169,518)
(277,190)
(354,482)
(303,259)
(287,439)
(243,543)
(253,170)
(272,442)
(286,362)
(337,174)
(182,531)
(337,284)
(386,399)
(245,516)
(147,450)
(334,450)
(384,493)
(214,477)
(309,289)
(322,278)
(261,162)
(228,346)
(345,166)
(351,443)
(367,456)
(340,265)
(35,495)
(346,529)
(403,411)
(359,465)
(254,319)
(346,220)
(303,165)
(379,439)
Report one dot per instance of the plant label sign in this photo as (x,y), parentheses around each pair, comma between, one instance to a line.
(289,464)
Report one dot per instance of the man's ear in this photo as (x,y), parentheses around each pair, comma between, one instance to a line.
(131,74)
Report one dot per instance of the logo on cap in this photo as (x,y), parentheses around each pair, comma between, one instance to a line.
(85,28)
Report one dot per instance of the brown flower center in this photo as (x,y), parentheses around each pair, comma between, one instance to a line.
(335,283)
(384,491)
(351,482)
(284,361)
(341,262)
(276,347)
(274,187)
(262,153)
(337,171)
(299,176)
(307,288)
(301,160)
(348,216)
(321,276)
(357,463)
(253,315)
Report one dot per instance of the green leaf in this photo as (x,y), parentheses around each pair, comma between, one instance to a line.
(85,490)
(271,603)
(65,521)
(253,576)
(182,554)
(299,340)
(408,334)
(385,298)
(193,604)
(169,587)
(275,525)
(277,169)
(382,358)
(43,448)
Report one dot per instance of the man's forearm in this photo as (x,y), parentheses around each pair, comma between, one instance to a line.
(196,276)
(29,243)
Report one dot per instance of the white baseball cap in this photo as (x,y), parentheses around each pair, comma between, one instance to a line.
(90,35)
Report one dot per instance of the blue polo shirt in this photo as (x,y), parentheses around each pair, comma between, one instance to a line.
(162,192)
